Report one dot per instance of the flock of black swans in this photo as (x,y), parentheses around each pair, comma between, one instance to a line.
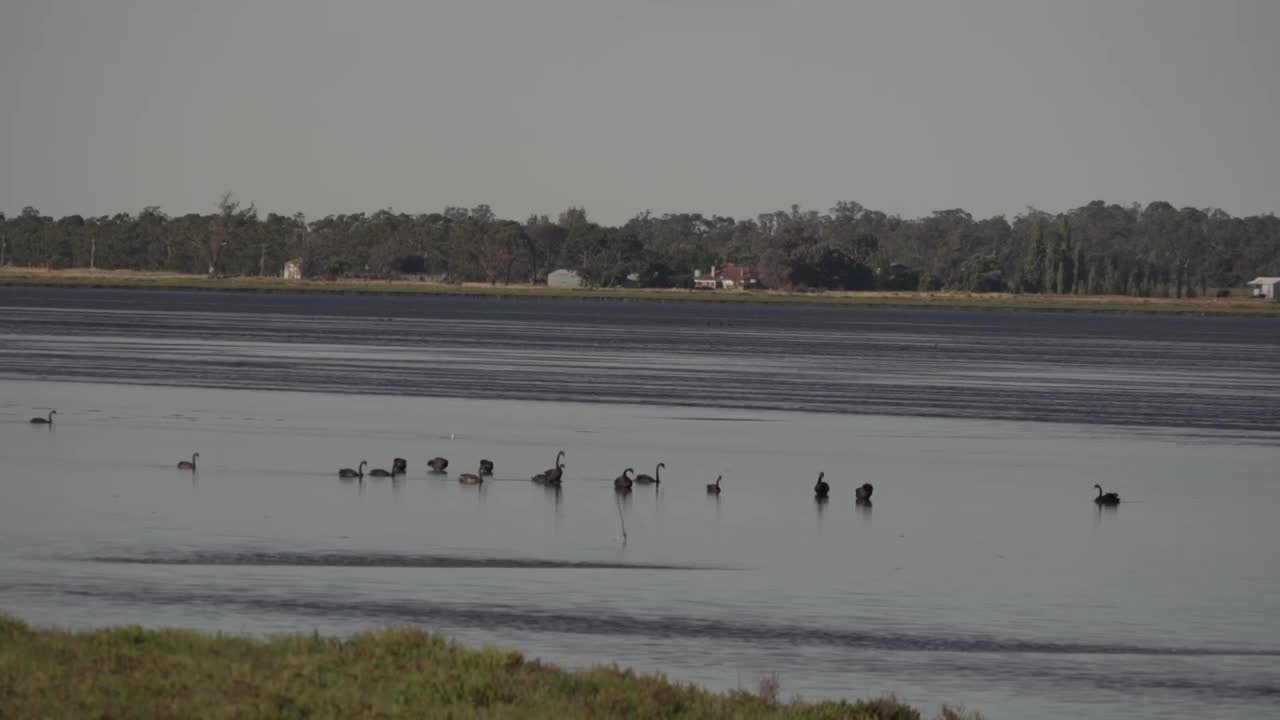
(552,477)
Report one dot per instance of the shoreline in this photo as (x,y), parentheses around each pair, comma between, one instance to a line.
(113,279)
(394,673)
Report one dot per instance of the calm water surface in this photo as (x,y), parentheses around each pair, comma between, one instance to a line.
(983,575)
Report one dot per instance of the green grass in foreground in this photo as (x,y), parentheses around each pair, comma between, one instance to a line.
(129,672)
(954,300)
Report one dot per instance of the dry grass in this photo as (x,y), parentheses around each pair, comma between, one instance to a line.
(133,673)
(958,300)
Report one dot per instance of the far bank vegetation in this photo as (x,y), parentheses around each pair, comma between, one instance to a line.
(1097,249)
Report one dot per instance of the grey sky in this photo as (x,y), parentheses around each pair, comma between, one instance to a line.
(712,106)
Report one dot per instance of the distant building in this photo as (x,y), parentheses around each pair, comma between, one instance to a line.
(292,270)
(1265,287)
(563,278)
(738,276)
(728,277)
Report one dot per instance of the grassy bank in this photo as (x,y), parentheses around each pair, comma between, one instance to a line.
(972,301)
(133,673)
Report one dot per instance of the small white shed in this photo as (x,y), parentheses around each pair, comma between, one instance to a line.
(563,278)
(1265,287)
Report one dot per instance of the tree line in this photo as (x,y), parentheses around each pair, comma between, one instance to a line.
(1100,248)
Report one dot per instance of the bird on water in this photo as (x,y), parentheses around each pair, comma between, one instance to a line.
(349,473)
(472,478)
(862,495)
(643,479)
(821,489)
(553,476)
(1106,498)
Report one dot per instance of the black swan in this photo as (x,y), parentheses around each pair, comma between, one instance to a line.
(486,467)
(862,495)
(191,465)
(821,489)
(1106,498)
(643,479)
(623,481)
(714,488)
(44,421)
(349,473)
(437,465)
(553,476)
(399,466)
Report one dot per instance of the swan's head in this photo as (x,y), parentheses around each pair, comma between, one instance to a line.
(662,465)
(1097,487)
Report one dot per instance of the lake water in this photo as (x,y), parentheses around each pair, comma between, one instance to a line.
(983,575)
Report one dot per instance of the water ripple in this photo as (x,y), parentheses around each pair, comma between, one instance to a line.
(649,626)
(372,560)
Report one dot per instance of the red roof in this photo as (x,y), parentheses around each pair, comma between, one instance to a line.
(739,273)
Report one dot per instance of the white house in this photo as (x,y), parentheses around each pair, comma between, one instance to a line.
(1265,287)
(563,278)
(292,270)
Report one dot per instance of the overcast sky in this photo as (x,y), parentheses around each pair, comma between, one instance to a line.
(714,106)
